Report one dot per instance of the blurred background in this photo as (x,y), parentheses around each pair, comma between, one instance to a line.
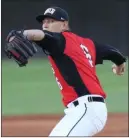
(33,89)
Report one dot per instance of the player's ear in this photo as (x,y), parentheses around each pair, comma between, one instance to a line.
(65,25)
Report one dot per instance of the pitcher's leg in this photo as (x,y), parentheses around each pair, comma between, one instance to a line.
(63,127)
(84,128)
(87,127)
(81,121)
(92,122)
(67,123)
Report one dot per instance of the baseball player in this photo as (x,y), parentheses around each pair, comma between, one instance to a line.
(73,60)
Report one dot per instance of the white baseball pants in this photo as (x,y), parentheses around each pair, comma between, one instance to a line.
(85,119)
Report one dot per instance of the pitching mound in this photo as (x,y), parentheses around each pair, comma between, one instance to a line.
(41,125)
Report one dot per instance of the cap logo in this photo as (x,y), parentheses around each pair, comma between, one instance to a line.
(49,10)
(62,18)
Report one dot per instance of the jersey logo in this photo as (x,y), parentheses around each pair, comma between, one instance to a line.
(57,80)
(87,54)
(49,10)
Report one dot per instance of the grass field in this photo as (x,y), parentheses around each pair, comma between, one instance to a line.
(33,89)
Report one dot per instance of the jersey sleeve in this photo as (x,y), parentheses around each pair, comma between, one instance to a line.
(53,43)
(107,52)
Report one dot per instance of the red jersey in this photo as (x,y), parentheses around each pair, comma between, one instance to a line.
(75,70)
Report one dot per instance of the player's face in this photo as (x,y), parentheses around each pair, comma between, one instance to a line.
(52,25)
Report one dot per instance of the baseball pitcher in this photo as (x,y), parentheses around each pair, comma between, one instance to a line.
(73,60)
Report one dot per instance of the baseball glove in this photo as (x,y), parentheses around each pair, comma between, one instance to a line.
(19,47)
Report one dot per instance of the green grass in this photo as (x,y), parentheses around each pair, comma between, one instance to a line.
(33,89)
(116,88)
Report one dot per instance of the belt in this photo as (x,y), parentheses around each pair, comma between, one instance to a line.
(90,99)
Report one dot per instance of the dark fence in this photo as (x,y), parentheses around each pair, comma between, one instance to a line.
(106,21)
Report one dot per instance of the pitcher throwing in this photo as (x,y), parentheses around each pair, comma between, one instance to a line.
(73,60)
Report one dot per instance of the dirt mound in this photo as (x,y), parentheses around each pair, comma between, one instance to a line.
(41,125)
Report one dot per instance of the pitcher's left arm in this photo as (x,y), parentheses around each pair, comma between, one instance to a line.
(107,52)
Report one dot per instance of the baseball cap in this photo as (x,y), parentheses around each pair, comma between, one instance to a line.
(56,13)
